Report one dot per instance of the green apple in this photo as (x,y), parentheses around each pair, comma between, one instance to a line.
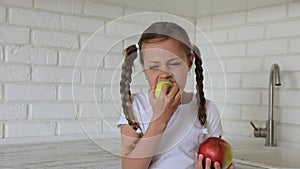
(159,86)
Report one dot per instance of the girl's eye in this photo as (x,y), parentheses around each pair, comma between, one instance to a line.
(175,63)
(153,67)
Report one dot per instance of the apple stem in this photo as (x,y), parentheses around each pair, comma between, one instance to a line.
(220,136)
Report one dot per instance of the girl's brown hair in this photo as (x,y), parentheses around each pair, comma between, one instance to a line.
(155,31)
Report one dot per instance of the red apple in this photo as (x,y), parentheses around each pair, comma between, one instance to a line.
(218,150)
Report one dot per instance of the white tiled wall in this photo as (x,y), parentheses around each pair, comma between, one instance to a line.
(247,43)
(53,72)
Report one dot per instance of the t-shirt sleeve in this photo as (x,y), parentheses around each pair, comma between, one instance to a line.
(122,119)
(141,109)
(214,125)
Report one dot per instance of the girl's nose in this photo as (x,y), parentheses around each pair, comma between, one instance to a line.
(165,75)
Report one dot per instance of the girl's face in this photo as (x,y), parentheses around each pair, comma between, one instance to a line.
(165,59)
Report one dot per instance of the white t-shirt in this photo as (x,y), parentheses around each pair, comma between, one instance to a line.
(183,134)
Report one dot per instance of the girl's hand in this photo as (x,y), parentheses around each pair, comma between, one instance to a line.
(199,160)
(166,104)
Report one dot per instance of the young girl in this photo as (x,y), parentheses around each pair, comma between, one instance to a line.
(165,131)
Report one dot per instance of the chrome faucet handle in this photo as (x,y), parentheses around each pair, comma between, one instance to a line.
(253,125)
(259,132)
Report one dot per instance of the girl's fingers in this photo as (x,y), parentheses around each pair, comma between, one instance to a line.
(174,90)
(151,92)
(175,94)
(198,160)
(217,165)
(178,95)
(196,157)
(207,163)
(231,166)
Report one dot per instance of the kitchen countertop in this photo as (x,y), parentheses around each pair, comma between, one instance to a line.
(58,155)
(64,155)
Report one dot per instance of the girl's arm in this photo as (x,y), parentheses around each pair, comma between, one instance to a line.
(163,109)
(141,156)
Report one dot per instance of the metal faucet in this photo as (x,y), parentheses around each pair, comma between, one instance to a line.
(270,131)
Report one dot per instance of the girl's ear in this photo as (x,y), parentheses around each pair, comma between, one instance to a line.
(191,60)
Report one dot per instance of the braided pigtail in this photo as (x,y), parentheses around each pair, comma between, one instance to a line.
(199,79)
(131,53)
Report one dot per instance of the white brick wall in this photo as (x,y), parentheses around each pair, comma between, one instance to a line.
(109,125)
(292,79)
(30,55)
(102,10)
(101,43)
(98,77)
(269,47)
(13,111)
(246,33)
(24,3)
(255,80)
(1,55)
(204,23)
(90,110)
(85,59)
(55,75)
(231,50)
(241,128)
(79,93)
(80,127)
(141,16)
(15,35)
(243,96)
(213,65)
(287,132)
(113,61)
(289,116)
(41,40)
(288,98)
(69,127)
(231,112)
(29,128)
(55,39)
(1,130)
(66,6)
(218,81)
(2,14)
(216,36)
(294,46)
(287,63)
(14,73)
(18,92)
(229,19)
(267,14)
(243,65)
(80,24)
(28,17)
(45,110)
(111,93)
(294,9)
(1,91)
(254,113)
(128,28)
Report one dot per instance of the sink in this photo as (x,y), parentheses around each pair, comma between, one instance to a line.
(270,157)
(252,152)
